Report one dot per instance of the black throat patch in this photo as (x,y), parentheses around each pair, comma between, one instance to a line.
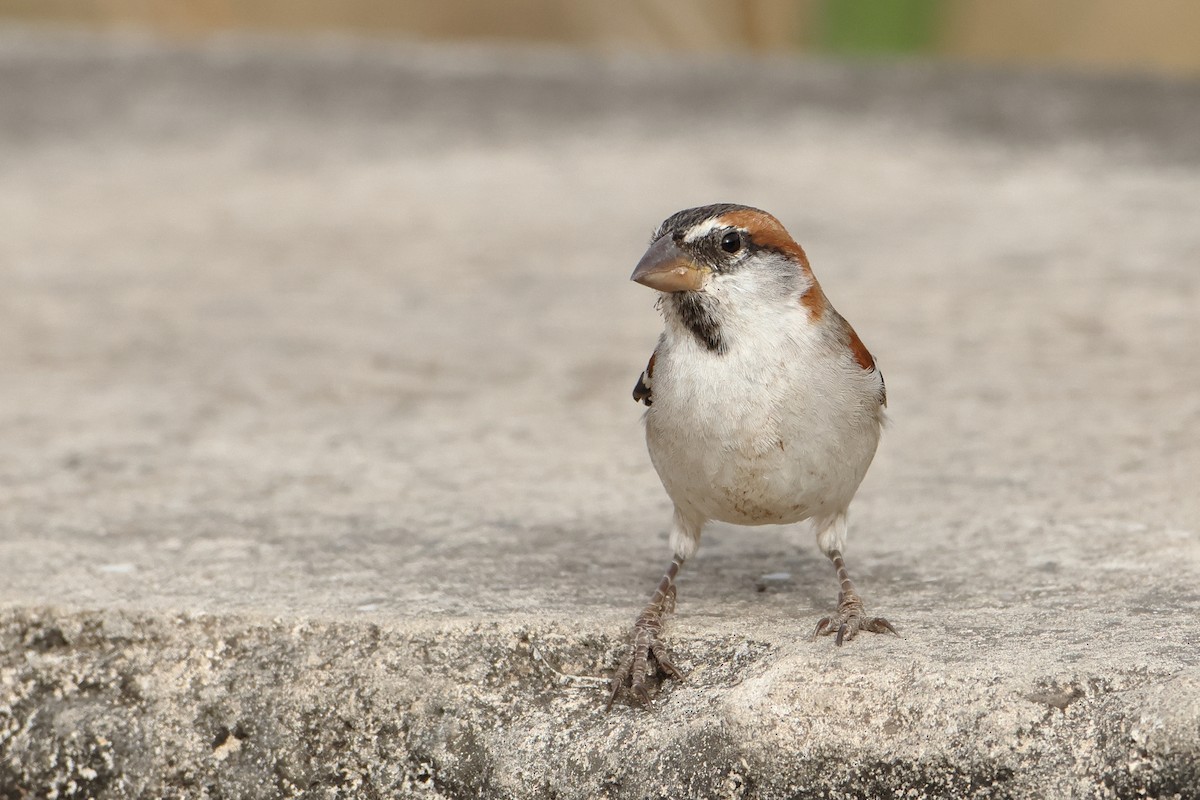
(697,314)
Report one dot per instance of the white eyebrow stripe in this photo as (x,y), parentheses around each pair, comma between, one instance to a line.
(704,228)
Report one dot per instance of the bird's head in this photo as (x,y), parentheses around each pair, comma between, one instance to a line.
(702,249)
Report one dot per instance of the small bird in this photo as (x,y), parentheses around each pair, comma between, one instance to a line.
(763,405)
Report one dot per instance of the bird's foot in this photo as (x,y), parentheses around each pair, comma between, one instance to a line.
(849,620)
(647,657)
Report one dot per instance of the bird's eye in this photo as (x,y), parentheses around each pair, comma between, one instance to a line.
(731,242)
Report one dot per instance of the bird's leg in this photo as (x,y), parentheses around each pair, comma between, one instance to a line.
(849,619)
(648,655)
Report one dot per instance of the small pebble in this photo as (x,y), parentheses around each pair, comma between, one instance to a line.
(773,580)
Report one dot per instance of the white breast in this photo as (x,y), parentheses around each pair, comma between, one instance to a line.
(779,428)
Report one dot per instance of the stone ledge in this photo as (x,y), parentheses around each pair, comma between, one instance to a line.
(116,704)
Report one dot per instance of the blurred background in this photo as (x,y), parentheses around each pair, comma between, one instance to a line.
(302,299)
(1157,35)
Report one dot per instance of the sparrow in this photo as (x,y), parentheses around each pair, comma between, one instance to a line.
(763,406)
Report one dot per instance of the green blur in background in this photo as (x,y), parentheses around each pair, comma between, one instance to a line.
(879,27)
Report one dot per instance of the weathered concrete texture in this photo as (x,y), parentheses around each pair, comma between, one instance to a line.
(319,462)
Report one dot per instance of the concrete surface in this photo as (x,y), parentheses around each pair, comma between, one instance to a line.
(320,470)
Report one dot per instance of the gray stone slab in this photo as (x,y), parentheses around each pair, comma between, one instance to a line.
(321,477)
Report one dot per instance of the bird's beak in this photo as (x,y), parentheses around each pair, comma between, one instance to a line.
(667,268)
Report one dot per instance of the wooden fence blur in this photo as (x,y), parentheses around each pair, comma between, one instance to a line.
(1146,35)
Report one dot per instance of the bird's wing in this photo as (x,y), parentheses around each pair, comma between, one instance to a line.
(867,362)
(642,392)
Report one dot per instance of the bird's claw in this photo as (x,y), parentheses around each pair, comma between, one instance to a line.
(849,620)
(646,658)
